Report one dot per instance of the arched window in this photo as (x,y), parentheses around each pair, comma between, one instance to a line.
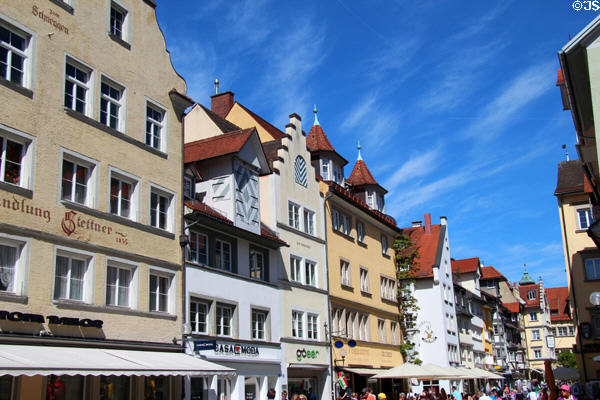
(300,171)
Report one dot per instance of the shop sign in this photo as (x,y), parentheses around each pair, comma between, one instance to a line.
(236,349)
(50,17)
(200,345)
(17,316)
(302,354)
(428,336)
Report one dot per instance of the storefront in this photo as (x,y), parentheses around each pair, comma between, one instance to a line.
(308,370)
(257,368)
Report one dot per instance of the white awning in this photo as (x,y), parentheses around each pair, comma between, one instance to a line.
(48,360)
(365,371)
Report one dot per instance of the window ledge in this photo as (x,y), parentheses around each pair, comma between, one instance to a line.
(113,132)
(13,297)
(63,5)
(386,255)
(580,230)
(120,41)
(390,301)
(347,287)
(80,305)
(306,287)
(17,88)
(117,219)
(366,294)
(342,234)
(229,273)
(300,233)
(362,244)
(16,190)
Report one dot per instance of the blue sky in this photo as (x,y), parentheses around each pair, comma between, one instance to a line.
(454,103)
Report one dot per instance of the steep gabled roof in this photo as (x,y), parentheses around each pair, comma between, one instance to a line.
(491,273)
(317,141)
(558,301)
(429,246)
(223,125)
(216,146)
(273,131)
(524,290)
(465,265)
(572,178)
(512,307)
(361,176)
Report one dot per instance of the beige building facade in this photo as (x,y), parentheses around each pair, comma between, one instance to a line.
(90,199)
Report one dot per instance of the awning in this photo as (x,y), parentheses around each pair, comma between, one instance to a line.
(365,371)
(46,360)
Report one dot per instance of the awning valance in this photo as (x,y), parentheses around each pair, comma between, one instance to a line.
(48,360)
(365,371)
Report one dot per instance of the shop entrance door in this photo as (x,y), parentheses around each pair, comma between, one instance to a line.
(305,386)
(251,388)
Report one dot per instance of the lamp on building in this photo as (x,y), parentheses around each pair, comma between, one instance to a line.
(595,298)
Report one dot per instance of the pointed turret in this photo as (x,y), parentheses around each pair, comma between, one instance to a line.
(526,279)
(364,185)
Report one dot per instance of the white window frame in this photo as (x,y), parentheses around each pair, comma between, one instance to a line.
(164,125)
(134,202)
(310,273)
(134,268)
(325,169)
(188,249)
(346,224)
(296,268)
(29,52)
(533,314)
(381,332)
(312,327)
(298,324)
(294,215)
(172,290)
(394,338)
(259,270)
(27,156)
(345,273)
(88,275)
(537,353)
(589,219)
(384,244)
(364,280)
(532,294)
(371,198)
(360,232)
(89,85)
(91,195)
(21,267)
(170,215)
(535,334)
(223,267)
(335,219)
(388,288)
(308,225)
(197,300)
(126,25)
(189,189)
(219,325)
(363,326)
(122,103)
(255,328)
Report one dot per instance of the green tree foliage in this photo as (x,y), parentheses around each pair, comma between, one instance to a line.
(406,255)
(567,359)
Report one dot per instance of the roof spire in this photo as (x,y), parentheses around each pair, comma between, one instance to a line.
(359,155)
(316,119)
(526,279)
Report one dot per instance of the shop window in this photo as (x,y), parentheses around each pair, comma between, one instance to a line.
(114,387)
(65,387)
(156,387)
(6,387)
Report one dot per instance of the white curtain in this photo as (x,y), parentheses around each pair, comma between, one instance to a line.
(8,259)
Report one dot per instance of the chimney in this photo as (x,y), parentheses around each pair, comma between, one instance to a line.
(427,223)
(416,224)
(221,103)
(443,220)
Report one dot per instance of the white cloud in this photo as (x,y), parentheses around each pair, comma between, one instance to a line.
(418,165)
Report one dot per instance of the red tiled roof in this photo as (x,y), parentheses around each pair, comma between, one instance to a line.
(465,265)
(273,131)
(361,175)
(427,246)
(572,178)
(560,79)
(207,210)
(216,146)
(266,232)
(317,140)
(491,273)
(524,289)
(558,300)
(512,307)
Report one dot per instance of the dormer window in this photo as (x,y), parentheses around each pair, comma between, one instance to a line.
(300,171)
(338,176)
(531,295)
(584,217)
(325,169)
(188,187)
(371,197)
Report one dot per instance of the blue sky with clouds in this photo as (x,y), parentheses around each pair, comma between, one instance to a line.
(454,103)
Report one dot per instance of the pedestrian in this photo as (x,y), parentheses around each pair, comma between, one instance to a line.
(371,396)
(483,396)
(311,394)
(457,395)
(565,393)
(443,395)
(532,395)
(302,397)
(271,394)
(284,395)
(381,396)
(354,396)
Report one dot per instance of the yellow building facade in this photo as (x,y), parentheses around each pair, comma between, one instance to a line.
(90,192)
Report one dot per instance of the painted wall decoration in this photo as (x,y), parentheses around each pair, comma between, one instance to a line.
(300,171)
(246,201)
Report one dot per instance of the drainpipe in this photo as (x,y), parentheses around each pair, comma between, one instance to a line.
(564,227)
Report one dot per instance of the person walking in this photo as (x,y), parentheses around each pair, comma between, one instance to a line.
(457,395)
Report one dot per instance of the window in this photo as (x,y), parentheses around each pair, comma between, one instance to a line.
(198,251)
(571,331)
(300,171)
(258,269)
(531,294)
(155,126)
(388,289)
(335,219)
(16,158)
(363,327)
(360,232)
(371,198)
(259,319)
(77,180)
(595,320)
(312,326)
(310,273)
(118,21)
(111,104)
(161,209)
(159,292)
(584,217)
(223,255)
(15,63)
(491,284)
(384,244)
(537,353)
(123,196)
(77,86)
(345,273)
(535,334)
(70,276)
(118,283)
(592,269)
(294,215)
(346,224)
(394,333)
(295,269)
(297,321)
(562,331)
(12,266)
(325,169)
(364,280)
(224,319)
(533,316)
(199,315)
(381,334)
(338,175)
(309,222)
(188,187)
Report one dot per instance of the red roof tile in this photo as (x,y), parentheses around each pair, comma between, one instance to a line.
(560,79)
(427,246)
(512,307)
(491,273)
(273,131)
(317,140)
(361,175)
(266,232)
(216,146)
(558,301)
(523,292)
(465,265)
(207,210)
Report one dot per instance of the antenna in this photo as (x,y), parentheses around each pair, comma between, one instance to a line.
(564,146)
(216,86)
